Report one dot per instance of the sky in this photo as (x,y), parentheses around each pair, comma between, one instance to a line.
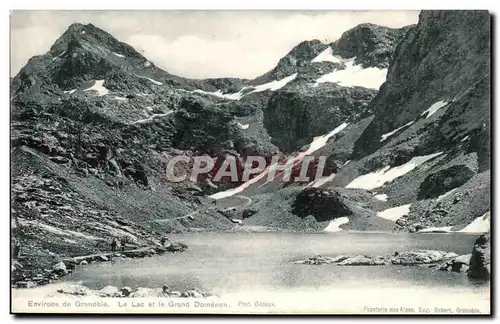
(198,44)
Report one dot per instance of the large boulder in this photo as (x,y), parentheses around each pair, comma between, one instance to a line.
(330,203)
(60,269)
(458,264)
(421,257)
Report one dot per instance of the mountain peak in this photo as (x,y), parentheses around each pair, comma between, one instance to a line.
(372,45)
(90,36)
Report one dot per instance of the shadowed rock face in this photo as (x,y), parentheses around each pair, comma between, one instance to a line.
(300,56)
(294,118)
(479,266)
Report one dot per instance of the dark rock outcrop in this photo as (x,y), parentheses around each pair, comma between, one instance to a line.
(480,261)
(372,45)
(444,180)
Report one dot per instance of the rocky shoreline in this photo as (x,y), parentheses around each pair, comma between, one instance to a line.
(66,266)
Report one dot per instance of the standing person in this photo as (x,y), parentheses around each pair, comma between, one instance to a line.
(114,244)
(16,251)
(123,241)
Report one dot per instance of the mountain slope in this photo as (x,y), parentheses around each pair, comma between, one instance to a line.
(94,124)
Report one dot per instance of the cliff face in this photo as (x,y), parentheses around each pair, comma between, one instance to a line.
(444,58)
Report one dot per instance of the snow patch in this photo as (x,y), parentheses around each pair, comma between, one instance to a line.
(58,56)
(321,181)
(274,85)
(327,56)
(320,141)
(355,75)
(119,55)
(243,126)
(381,197)
(436,229)
(478,225)
(151,118)
(120,98)
(70,91)
(145,77)
(147,64)
(395,213)
(446,194)
(334,225)
(218,93)
(387,174)
(465,138)
(386,135)
(99,88)
(435,107)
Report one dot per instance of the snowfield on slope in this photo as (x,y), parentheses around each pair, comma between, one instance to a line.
(446,194)
(395,213)
(99,88)
(327,56)
(479,225)
(334,225)
(387,174)
(387,135)
(272,86)
(432,109)
(145,77)
(151,118)
(355,76)
(381,197)
(218,93)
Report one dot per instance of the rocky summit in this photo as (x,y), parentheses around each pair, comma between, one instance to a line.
(401,117)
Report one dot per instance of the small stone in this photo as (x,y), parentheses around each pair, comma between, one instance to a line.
(126,291)
(103,258)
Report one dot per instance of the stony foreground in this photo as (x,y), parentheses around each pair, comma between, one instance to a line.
(127,292)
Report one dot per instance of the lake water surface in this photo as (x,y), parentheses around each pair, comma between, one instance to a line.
(260,264)
(248,268)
